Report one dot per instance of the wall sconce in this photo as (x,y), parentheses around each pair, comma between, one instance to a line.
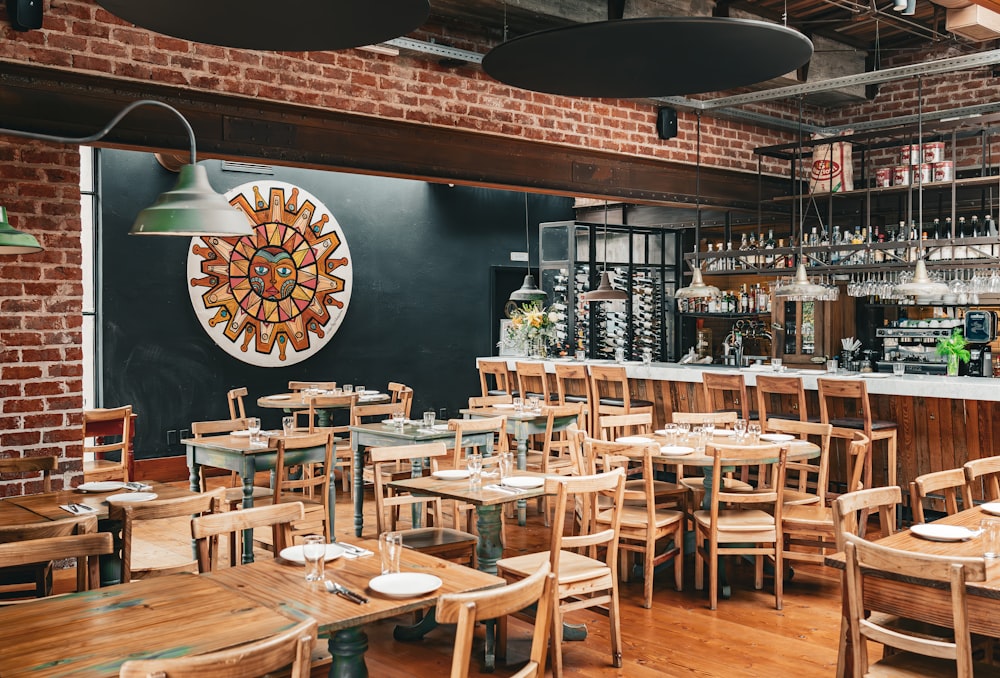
(13,241)
(192,208)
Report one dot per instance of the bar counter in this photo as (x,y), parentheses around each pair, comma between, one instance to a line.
(943,421)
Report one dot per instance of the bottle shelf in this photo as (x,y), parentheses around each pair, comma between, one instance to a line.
(726,316)
(968,182)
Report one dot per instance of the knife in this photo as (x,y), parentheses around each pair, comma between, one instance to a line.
(333,587)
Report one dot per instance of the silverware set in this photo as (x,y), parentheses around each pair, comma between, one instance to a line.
(344,592)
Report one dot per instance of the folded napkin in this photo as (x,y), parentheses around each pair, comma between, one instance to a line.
(78,509)
(351,551)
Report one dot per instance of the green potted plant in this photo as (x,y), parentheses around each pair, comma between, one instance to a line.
(954,346)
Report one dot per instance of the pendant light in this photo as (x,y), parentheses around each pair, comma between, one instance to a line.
(192,208)
(13,241)
(921,285)
(604,291)
(529,291)
(697,289)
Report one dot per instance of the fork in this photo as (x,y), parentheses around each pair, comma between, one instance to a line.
(344,592)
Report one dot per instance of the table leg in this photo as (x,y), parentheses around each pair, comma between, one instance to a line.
(416,631)
(489,527)
(522,462)
(359,486)
(348,647)
(725,590)
(110,564)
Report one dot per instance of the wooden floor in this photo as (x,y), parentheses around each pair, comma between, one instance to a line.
(679,636)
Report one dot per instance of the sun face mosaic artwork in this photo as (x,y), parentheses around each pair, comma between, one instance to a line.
(276,297)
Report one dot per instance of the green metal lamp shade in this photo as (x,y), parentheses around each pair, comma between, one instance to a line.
(192,208)
(529,291)
(13,241)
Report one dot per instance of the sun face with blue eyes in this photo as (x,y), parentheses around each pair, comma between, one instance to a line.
(272,273)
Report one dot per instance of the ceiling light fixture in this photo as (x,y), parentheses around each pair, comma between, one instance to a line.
(529,291)
(13,241)
(192,208)
(305,25)
(697,289)
(604,291)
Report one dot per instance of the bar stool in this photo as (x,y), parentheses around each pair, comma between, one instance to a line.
(610,391)
(852,396)
(772,389)
(533,382)
(573,386)
(502,381)
(731,390)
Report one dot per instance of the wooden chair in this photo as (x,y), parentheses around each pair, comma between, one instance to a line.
(573,386)
(234,493)
(234,397)
(609,388)
(844,404)
(323,402)
(849,508)
(443,542)
(808,530)
(311,487)
(984,475)
(24,465)
(919,655)
(612,426)
(38,575)
(401,394)
(159,559)
(727,393)
(583,580)
(554,455)
(645,518)
(533,382)
(502,381)
(289,648)
(741,523)
(696,484)
(97,468)
(85,548)
(466,609)
(773,391)
(492,447)
(698,418)
(343,455)
(806,481)
(489,401)
(951,485)
(296,386)
(207,529)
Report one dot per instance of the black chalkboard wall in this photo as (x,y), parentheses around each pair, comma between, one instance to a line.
(424,256)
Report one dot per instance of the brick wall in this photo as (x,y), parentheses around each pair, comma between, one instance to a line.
(41,303)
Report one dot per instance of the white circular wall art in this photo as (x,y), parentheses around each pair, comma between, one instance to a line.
(276,297)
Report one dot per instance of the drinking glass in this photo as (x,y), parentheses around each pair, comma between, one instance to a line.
(991,537)
(474,462)
(709,428)
(359,388)
(776,364)
(390,546)
(699,438)
(898,369)
(619,355)
(534,404)
(753,430)
(683,431)
(398,419)
(740,426)
(348,388)
(429,417)
(288,425)
(831,366)
(518,404)
(581,355)
(253,426)
(506,464)
(314,553)
(647,356)
(670,433)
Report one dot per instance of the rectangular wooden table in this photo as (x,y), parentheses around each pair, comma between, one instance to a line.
(90,634)
(282,586)
(235,453)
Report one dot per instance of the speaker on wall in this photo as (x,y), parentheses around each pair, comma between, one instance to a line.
(666,123)
(25,14)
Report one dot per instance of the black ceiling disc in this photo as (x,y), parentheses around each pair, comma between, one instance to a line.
(294,26)
(660,56)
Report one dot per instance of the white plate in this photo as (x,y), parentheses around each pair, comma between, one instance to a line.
(294,553)
(523,482)
(130,497)
(405,584)
(105,486)
(279,397)
(992,507)
(875,375)
(675,451)
(724,433)
(451,474)
(503,406)
(776,437)
(633,440)
(439,427)
(936,532)
(240,434)
(371,393)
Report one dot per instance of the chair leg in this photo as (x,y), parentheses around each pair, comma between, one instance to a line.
(616,631)
(699,563)
(779,579)
(758,572)
(647,575)
(679,557)
(556,635)
(713,576)
(502,636)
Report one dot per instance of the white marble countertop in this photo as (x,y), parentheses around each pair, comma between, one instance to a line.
(927,386)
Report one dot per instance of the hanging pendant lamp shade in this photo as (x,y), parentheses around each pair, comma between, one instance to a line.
(192,208)
(529,291)
(697,289)
(13,241)
(604,291)
(313,25)
(801,288)
(921,285)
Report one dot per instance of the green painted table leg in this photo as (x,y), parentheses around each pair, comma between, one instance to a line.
(490,549)
(416,631)
(348,647)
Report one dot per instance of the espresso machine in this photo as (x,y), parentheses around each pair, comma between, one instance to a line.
(980,330)
(913,343)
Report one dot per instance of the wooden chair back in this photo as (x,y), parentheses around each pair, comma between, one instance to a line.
(952,486)
(588,490)
(769,495)
(699,418)
(726,392)
(207,529)
(609,389)
(496,445)
(533,381)
(385,460)
(612,426)
(495,370)
(235,398)
(23,465)
(848,509)
(85,548)
(573,386)
(489,401)
(401,394)
(291,648)
(216,427)
(772,390)
(866,559)
(557,443)
(984,475)
(130,514)
(312,483)
(844,399)
(348,401)
(806,477)
(101,468)
(465,609)
(370,414)
(296,386)
(41,573)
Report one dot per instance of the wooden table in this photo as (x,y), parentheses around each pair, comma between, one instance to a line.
(299,400)
(235,453)
(283,587)
(522,425)
(897,595)
(90,634)
(388,435)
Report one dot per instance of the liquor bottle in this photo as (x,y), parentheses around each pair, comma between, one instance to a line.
(779,260)
(710,261)
(730,260)
(744,299)
(880,252)
(813,238)
(974,225)
(752,259)
(960,251)
(721,264)
(744,248)
(947,250)
(769,244)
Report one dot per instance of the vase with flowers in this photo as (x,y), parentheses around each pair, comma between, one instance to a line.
(532,327)
(955,348)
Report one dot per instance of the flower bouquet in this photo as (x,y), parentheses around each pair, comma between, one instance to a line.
(532,327)
(954,346)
